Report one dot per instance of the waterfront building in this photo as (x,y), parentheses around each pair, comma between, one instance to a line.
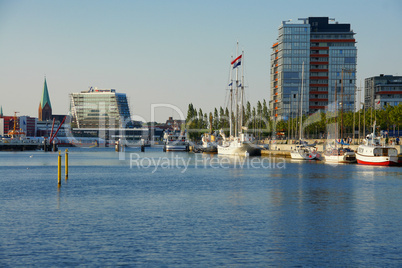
(7,124)
(97,108)
(28,125)
(324,52)
(45,107)
(382,90)
(175,124)
(103,113)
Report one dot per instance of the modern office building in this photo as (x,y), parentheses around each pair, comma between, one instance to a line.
(103,113)
(382,90)
(324,52)
(99,108)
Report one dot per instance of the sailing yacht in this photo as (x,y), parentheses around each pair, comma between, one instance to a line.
(303,151)
(333,153)
(238,143)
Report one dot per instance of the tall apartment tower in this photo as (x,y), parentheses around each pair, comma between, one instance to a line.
(324,52)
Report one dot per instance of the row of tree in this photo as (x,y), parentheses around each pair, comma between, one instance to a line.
(257,120)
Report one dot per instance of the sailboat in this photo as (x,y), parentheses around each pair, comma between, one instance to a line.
(335,154)
(303,151)
(238,143)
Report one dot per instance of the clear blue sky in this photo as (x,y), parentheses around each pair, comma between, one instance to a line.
(173,52)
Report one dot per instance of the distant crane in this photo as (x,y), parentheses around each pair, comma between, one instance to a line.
(16,133)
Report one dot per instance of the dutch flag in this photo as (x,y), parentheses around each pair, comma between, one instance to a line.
(236,62)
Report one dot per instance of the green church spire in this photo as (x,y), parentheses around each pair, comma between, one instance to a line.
(1,111)
(45,96)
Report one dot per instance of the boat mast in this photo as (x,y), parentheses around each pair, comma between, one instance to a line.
(242,92)
(336,114)
(237,93)
(342,105)
(231,100)
(301,103)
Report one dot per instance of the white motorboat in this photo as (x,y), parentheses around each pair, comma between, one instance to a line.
(373,153)
(175,141)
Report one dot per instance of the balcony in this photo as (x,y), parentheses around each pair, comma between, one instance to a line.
(319,70)
(318,62)
(318,92)
(319,55)
(316,107)
(318,85)
(332,40)
(326,100)
(318,77)
(319,48)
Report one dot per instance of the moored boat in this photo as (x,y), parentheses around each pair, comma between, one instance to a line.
(241,146)
(175,141)
(373,153)
(208,144)
(303,152)
(238,143)
(339,155)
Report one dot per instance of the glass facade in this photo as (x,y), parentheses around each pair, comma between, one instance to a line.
(326,54)
(99,109)
(382,90)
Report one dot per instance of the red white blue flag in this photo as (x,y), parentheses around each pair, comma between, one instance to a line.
(236,62)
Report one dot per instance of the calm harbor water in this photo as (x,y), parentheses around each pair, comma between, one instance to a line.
(184,210)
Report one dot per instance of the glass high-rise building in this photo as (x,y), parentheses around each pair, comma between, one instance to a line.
(324,52)
(99,108)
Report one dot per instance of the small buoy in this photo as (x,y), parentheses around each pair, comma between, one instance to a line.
(30,156)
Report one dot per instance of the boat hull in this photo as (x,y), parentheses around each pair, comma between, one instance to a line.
(298,156)
(207,150)
(243,150)
(377,160)
(176,148)
(346,158)
(301,154)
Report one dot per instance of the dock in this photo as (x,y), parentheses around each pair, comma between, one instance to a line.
(24,146)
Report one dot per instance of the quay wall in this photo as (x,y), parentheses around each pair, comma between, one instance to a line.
(273,147)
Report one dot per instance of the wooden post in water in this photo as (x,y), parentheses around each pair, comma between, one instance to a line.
(66,164)
(59,169)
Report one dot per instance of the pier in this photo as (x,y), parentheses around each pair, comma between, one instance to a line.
(26,145)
